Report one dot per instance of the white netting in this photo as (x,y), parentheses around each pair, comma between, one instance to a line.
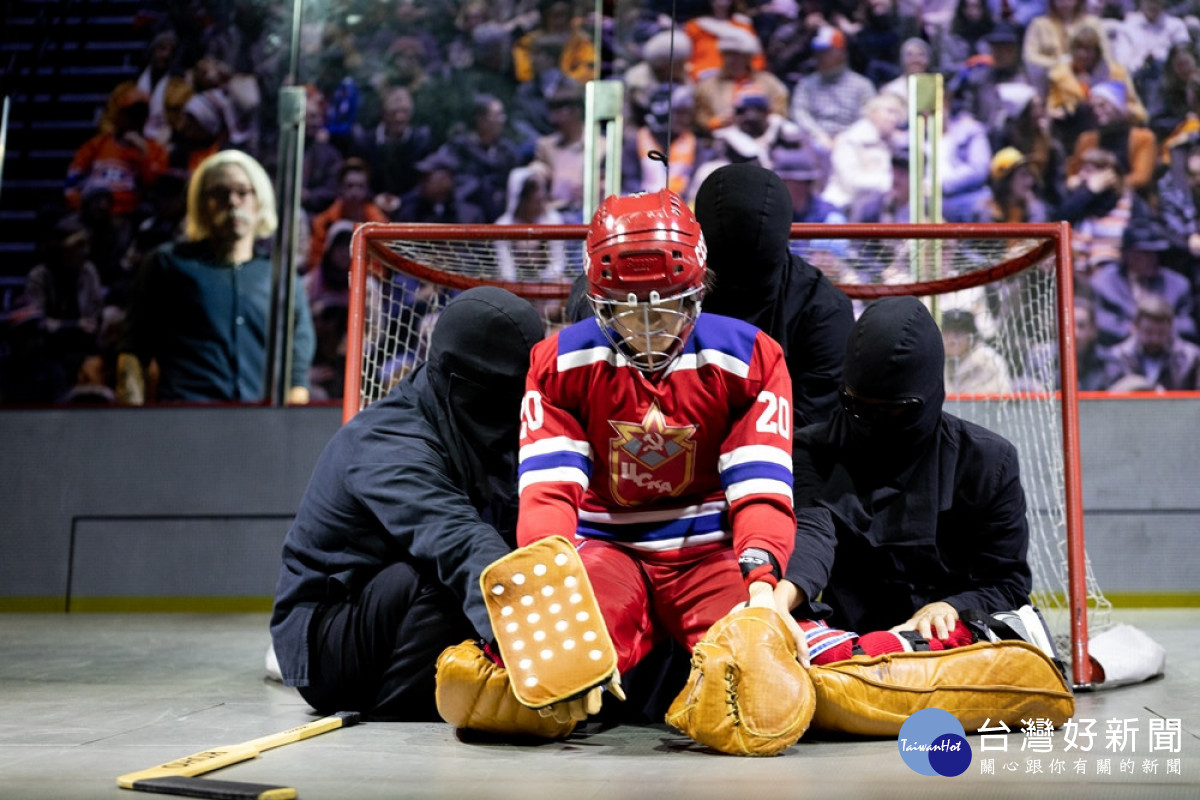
(1007,280)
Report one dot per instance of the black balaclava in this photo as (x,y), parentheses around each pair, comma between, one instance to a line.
(894,353)
(746,214)
(478,359)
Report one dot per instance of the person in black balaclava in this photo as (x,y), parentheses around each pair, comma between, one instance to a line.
(746,214)
(409,501)
(907,515)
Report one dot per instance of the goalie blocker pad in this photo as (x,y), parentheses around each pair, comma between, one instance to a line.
(1005,681)
(547,623)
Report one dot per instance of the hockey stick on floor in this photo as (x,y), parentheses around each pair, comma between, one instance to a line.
(172,777)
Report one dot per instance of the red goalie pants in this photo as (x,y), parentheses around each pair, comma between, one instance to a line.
(645,601)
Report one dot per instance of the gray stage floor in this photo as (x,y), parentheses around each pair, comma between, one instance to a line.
(84,698)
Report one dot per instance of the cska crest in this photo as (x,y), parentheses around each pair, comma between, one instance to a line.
(650,459)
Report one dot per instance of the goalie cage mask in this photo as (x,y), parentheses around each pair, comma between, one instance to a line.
(646,266)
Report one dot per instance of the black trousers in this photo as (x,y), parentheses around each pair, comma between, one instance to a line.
(377,653)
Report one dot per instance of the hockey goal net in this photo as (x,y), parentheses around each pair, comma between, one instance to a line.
(1011,284)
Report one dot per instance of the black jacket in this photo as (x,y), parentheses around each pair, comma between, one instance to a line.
(746,214)
(895,515)
(426,476)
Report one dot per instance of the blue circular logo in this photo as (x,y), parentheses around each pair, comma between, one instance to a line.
(933,742)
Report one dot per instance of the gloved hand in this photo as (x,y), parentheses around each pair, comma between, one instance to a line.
(584,705)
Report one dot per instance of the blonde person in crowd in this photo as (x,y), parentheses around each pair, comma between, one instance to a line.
(201,307)
(972,366)
(861,161)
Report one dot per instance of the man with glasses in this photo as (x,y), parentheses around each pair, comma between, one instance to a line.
(908,516)
(201,308)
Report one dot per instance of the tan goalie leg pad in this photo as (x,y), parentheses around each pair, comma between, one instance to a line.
(474,693)
(747,694)
(547,623)
(1006,681)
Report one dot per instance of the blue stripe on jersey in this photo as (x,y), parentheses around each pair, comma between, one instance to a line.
(725,334)
(581,336)
(755,470)
(653,531)
(556,460)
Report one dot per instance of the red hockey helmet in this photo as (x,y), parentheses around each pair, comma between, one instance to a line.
(646,267)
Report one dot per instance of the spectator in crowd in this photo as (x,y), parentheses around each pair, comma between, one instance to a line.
(1172,97)
(1153,357)
(1151,33)
(158,81)
(329,283)
(201,309)
(1133,145)
(460,50)
(915,58)
(168,206)
(717,94)
(665,59)
(871,542)
(529,204)
(1179,196)
(578,59)
(109,235)
(1092,366)
(119,158)
(393,148)
(531,102)
(724,17)
(1013,183)
(1072,84)
(562,153)
(408,503)
(832,98)
(788,46)
(802,172)
(746,215)
(966,35)
(892,205)
(201,133)
(1004,44)
(434,198)
(1100,207)
(1118,287)
(353,204)
(972,366)
(755,132)
(447,104)
(1025,127)
(322,161)
(880,29)
(966,156)
(486,155)
(666,129)
(328,291)
(64,297)
(1048,37)
(861,161)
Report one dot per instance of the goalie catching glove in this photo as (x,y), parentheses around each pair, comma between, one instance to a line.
(550,630)
(747,693)
(474,692)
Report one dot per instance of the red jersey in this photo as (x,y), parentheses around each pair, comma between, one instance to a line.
(673,467)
